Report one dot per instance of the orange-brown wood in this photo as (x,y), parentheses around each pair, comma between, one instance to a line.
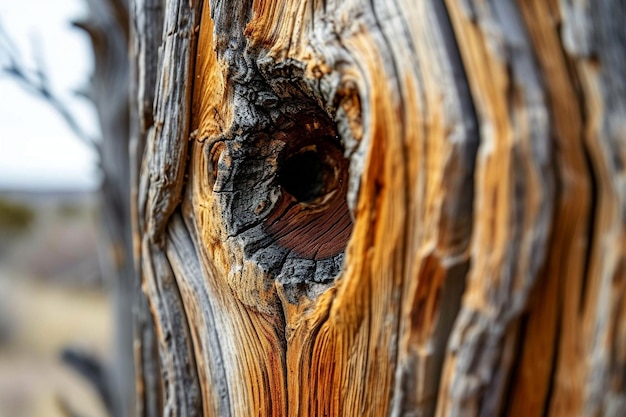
(391,208)
(565,268)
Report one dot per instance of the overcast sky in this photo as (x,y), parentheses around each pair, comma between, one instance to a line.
(37,150)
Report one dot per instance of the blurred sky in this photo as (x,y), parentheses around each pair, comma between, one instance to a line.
(37,149)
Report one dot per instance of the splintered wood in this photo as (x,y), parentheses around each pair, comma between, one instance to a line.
(388,208)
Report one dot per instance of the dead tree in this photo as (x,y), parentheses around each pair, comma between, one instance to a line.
(372,208)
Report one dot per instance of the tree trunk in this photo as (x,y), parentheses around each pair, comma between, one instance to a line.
(107,24)
(372,208)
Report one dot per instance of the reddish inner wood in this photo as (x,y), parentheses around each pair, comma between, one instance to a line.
(321,228)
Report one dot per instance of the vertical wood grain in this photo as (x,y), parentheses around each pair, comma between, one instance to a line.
(479,145)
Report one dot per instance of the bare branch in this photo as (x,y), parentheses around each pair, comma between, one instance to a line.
(35,80)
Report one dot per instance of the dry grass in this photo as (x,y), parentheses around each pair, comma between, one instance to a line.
(50,299)
(45,319)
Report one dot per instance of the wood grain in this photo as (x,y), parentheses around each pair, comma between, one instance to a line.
(385,208)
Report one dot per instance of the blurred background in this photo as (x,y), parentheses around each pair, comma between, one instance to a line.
(52,295)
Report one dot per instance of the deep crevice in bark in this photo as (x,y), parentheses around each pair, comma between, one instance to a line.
(591,221)
(555,362)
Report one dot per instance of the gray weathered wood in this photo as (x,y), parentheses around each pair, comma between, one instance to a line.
(380,208)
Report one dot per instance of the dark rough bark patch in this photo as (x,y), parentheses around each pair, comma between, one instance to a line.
(275,229)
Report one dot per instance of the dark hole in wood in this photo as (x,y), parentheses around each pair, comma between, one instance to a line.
(302,176)
(311,218)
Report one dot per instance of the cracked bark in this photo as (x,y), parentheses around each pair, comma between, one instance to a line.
(380,208)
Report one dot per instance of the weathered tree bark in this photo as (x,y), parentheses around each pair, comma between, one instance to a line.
(350,208)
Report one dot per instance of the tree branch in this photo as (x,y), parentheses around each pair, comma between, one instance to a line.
(35,80)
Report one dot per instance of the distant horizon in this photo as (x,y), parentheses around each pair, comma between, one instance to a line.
(31,188)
